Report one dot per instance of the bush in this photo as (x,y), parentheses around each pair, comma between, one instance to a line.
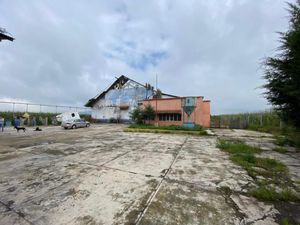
(137,115)
(148,113)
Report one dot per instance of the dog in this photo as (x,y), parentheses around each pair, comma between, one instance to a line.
(37,129)
(20,128)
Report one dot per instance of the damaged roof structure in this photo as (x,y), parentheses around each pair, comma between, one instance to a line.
(4,35)
(117,101)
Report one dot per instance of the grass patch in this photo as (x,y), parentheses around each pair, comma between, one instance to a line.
(274,173)
(237,147)
(171,127)
(285,221)
(269,194)
(283,141)
(281,150)
(271,165)
(144,130)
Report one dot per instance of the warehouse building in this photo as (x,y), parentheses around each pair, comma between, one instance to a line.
(116,103)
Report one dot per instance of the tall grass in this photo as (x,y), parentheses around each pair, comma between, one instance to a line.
(261,120)
(269,121)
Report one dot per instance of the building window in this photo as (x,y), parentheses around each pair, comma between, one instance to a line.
(169,116)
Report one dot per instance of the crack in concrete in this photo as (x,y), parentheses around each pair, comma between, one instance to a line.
(19,213)
(126,171)
(226,193)
(260,219)
(153,194)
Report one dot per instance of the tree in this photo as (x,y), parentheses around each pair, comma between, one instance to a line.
(158,94)
(137,115)
(148,113)
(282,72)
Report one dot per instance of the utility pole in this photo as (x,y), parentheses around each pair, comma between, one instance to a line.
(156,116)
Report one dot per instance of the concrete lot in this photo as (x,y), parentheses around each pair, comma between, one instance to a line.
(102,175)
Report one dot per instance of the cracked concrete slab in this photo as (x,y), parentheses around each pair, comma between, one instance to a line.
(102,175)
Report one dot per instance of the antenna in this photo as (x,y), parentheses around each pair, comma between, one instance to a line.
(156,116)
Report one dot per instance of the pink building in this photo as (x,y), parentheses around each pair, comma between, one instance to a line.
(169,111)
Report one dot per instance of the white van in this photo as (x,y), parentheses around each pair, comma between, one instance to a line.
(67,116)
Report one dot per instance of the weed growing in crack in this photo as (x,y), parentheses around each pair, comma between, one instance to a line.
(281,150)
(271,176)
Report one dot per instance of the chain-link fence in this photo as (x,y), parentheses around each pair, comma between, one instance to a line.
(32,114)
(247,120)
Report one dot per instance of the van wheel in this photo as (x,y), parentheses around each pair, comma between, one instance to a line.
(87,125)
(74,127)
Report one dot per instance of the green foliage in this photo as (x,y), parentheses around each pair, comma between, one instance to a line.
(271,166)
(273,171)
(171,127)
(40,116)
(237,147)
(158,94)
(140,115)
(290,139)
(285,221)
(282,72)
(281,150)
(253,121)
(148,113)
(269,122)
(145,130)
(137,115)
(269,194)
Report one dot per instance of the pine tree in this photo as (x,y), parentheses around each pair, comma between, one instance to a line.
(282,72)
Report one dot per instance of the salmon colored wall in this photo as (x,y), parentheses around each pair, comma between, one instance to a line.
(165,104)
(200,116)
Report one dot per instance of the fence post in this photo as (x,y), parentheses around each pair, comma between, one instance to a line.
(281,124)
(248,120)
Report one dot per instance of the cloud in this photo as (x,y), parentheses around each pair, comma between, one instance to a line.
(66,52)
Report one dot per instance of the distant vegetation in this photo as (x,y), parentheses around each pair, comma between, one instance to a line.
(285,134)
(39,116)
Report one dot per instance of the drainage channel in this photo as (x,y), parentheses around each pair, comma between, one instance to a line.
(153,194)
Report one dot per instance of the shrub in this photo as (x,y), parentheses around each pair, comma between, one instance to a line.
(148,113)
(137,116)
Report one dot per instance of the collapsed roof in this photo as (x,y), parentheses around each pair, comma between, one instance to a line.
(4,35)
(122,80)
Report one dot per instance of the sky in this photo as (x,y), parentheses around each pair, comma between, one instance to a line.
(66,52)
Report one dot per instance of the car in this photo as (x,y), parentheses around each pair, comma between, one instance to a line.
(75,123)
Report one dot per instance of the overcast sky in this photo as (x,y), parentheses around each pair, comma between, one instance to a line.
(66,52)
